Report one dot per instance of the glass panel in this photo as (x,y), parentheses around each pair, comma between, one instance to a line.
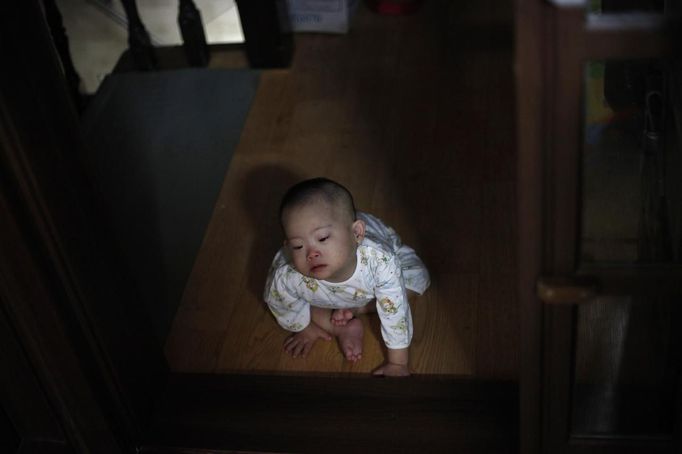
(629,14)
(632,165)
(627,368)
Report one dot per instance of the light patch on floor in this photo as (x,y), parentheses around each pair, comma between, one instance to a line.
(98,35)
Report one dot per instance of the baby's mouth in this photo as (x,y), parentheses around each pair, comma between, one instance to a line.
(317,268)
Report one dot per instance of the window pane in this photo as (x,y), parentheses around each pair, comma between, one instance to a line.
(631,164)
(627,368)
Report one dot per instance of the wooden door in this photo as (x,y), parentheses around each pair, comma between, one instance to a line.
(600,265)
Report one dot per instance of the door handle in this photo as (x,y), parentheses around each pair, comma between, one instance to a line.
(567,290)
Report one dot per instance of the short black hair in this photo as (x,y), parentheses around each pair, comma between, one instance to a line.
(309,190)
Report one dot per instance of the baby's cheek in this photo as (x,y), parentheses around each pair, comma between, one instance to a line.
(299,264)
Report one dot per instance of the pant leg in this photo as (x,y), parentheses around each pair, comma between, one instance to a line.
(415,274)
(414,271)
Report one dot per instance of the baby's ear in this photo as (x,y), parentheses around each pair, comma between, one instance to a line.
(359,230)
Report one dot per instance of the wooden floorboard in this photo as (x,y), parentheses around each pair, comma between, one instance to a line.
(414,115)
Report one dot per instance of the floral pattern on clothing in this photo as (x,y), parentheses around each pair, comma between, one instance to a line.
(401,326)
(311,283)
(275,294)
(388,306)
(296,327)
(363,258)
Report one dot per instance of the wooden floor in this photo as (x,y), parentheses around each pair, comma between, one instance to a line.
(415,116)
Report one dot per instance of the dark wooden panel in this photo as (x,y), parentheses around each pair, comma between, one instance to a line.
(602,44)
(624,446)
(44,447)
(53,345)
(336,414)
(71,305)
(531,34)
(9,438)
(23,400)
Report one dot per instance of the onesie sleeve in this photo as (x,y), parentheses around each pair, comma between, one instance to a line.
(392,305)
(291,311)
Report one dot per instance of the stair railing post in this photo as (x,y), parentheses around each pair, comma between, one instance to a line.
(139,43)
(193,36)
(61,43)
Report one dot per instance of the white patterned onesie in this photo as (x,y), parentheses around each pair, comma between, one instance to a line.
(385,268)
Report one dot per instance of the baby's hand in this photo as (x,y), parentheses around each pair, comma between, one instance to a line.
(299,344)
(392,370)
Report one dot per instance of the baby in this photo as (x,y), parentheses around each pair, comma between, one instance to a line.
(337,263)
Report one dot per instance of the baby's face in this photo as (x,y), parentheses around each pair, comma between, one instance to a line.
(322,240)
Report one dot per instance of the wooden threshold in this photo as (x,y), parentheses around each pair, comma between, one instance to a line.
(264,413)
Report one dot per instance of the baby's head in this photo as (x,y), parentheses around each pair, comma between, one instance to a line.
(322,233)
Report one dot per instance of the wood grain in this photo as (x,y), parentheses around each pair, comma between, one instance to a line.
(417,122)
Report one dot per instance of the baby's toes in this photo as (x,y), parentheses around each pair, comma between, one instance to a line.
(339,318)
(353,357)
(338,322)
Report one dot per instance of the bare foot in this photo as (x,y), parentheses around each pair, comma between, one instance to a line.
(350,339)
(341,317)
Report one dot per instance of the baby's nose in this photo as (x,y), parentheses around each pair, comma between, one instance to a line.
(313,254)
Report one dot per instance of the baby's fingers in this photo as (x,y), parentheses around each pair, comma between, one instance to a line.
(297,347)
(291,344)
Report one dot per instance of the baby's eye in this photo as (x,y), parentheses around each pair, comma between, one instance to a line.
(323,239)
(296,248)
